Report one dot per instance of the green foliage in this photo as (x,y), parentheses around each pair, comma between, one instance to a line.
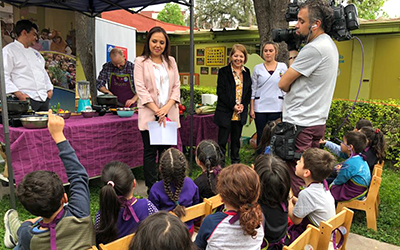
(369,9)
(198,91)
(384,114)
(224,14)
(171,14)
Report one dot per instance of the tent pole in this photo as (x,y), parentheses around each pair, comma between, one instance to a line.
(4,116)
(191,83)
(93,88)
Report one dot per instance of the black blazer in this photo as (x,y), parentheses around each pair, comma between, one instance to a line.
(226,91)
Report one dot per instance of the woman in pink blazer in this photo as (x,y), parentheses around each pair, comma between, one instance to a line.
(158,88)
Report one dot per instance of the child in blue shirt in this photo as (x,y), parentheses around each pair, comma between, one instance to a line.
(354,177)
(62,223)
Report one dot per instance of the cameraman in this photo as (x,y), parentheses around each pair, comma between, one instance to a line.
(310,80)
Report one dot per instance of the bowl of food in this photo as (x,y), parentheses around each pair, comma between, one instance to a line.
(125,112)
(113,111)
(34,121)
(64,114)
(88,113)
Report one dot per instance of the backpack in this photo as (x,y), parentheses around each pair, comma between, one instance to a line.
(284,139)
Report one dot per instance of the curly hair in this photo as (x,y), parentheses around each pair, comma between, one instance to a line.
(209,154)
(319,10)
(122,179)
(173,166)
(376,140)
(40,192)
(239,186)
(274,179)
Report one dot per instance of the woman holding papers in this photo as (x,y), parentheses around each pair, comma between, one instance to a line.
(266,96)
(157,85)
(234,92)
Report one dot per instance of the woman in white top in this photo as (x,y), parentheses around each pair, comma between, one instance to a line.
(267,98)
(157,85)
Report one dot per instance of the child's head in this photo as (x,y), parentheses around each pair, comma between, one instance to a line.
(173,166)
(354,142)
(376,140)
(208,155)
(162,230)
(266,136)
(239,187)
(42,193)
(274,179)
(118,180)
(315,164)
(362,123)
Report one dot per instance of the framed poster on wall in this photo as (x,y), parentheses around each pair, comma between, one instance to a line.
(215,56)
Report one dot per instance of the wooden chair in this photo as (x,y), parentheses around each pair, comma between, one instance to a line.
(378,168)
(93,248)
(196,211)
(119,244)
(215,201)
(368,205)
(308,237)
(326,228)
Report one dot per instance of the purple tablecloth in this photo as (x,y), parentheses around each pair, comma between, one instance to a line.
(96,140)
(203,128)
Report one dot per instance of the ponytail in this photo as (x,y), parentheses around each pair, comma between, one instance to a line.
(209,153)
(376,141)
(208,166)
(250,218)
(107,230)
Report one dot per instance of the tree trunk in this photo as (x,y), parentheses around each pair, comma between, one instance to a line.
(270,15)
(85,49)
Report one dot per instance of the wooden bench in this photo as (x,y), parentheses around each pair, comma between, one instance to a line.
(308,237)
(119,244)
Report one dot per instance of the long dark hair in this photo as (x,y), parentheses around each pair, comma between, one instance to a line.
(146,49)
(173,166)
(376,140)
(117,179)
(162,230)
(239,186)
(266,136)
(209,154)
(274,179)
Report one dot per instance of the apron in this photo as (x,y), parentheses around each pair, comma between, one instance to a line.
(121,86)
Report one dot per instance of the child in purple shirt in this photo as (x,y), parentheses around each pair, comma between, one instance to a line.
(175,191)
(120,212)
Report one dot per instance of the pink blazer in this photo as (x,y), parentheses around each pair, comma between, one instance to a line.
(146,90)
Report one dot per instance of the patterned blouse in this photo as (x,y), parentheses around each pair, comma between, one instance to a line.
(239,92)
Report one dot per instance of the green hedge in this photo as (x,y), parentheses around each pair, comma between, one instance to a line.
(384,114)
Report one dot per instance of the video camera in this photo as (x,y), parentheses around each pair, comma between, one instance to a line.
(345,19)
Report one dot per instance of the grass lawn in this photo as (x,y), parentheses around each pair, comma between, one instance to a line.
(388,220)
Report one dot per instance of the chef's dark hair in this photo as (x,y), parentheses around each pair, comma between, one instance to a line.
(24,25)
(40,192)
(173,166)
(117,179)
(146,50)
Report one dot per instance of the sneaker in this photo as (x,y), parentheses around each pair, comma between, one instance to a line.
(11,223)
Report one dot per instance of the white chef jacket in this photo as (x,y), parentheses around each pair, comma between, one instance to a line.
(24,71)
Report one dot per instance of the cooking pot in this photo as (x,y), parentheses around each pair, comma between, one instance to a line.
(17,106)
(108,100)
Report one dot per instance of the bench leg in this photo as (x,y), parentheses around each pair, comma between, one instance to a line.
(371,217)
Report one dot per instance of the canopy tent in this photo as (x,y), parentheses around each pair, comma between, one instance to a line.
(90,8)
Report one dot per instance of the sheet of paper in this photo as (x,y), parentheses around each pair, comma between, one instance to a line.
(160,135)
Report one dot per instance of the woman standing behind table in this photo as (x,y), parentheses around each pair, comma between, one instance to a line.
(234,92)
(157,84)
(266,96)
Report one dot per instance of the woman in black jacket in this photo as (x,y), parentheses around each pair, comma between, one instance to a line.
(234,93)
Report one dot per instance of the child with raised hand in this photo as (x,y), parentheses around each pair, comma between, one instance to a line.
(375,150)
(315,202)
(354,177)
(62,223)
(175,191)
(208,155)
(240,227)
(275,187)
(164,231)
(120,212)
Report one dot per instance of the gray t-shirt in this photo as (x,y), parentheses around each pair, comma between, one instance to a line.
(310,96)
(316,203)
